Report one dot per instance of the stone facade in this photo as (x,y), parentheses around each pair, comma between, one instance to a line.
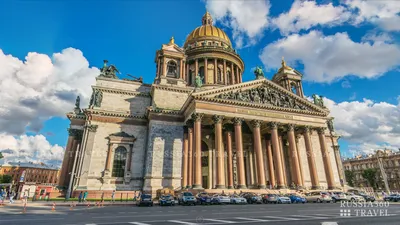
(199,126)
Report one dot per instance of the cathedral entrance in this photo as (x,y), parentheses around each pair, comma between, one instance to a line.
(205,165)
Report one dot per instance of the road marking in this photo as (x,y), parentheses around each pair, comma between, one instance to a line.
(281,218)
(236,212)
(90,224)
(181,222)
(220,221)
(138,223)
(252,219)
(100,217)
(313,217)
(32,219)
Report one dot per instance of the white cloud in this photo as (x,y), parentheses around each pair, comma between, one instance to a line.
(375,36)
(367,125)
(346,84)
(385,14)
(304,15)
(329,58)
(247,19)
(41,87)
(34,149)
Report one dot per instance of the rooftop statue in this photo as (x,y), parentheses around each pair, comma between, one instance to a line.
(318,100)
(259,73)
(109,71)
(330,125)
(198,82)
(77,102)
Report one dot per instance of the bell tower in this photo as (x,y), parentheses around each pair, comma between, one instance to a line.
(289,78)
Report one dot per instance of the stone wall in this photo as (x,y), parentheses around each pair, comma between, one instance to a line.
(319,162)
(122,85)
(169,99)
(123,103)
(164,156)
(304,162)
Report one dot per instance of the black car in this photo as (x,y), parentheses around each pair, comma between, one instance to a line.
(203,198)
(367,198)
(167,200)
(392,198)
(253,198)
(145,199)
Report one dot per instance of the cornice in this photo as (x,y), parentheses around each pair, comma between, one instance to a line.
(123,81)
(72,115)
(121,91)
(113,114)
(174,89)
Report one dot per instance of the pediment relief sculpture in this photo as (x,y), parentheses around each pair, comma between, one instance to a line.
(265,95)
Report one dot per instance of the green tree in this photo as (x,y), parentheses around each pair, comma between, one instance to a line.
(349,177)
(1,156)
(370,175)
(5,179)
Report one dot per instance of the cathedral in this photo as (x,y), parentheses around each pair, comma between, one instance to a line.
(199,127)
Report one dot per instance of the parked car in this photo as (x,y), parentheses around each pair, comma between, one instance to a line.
(220,199)
(167,200)
(318,196)
(282,199)
(270,198)
(203,198)
(252,198)
(297,199)
(338,196)
(354,198)
(145,199)
(236,199)
(187,198)
(368,198)
(392,198)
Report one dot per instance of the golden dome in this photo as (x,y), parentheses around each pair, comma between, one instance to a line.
(207,32)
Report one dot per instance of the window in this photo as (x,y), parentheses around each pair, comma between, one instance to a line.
(201,73)
(119,162)
(204,161)
(228,76)
(171,69)
(219,72)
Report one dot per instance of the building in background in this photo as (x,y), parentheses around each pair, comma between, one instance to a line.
(385,162)
(30,172)
(175,132)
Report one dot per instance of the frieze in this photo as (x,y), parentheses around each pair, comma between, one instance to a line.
(265,95)
(266,114)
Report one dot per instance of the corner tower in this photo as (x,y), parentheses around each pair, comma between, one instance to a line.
(289,78)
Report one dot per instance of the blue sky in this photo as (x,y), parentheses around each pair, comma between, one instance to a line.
(360,56)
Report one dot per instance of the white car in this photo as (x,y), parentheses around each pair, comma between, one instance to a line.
(236,199)
(220,199)
(354,198)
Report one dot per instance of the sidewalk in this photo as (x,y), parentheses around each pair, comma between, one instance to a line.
(68,203)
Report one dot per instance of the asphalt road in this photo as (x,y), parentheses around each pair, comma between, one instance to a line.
(299,214)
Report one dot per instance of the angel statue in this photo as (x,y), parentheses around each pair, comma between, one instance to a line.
(109,71)
(77,102)
(198,81)
(259,73)
(318,100)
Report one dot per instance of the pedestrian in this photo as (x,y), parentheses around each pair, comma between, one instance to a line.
(134,197)
(85,196)
(113,196)
(102,196)
(12,194)
(80,197)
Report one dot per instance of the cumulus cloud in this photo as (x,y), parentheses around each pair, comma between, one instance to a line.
(34,149)
(367,125)
(247,19)
(329,58)
(41,87)
(385,14)
(304,15)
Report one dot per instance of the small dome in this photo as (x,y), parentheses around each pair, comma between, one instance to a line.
(207,32)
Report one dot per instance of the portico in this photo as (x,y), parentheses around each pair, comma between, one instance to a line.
(272,156)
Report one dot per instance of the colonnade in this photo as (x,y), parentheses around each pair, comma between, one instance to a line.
(191,165)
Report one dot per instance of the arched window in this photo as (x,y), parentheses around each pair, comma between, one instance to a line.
(293,88)
(119,162)
(228,76)
(219,72)
(201,73)
(171,69)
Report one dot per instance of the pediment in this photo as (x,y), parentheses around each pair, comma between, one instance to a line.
(172,48)
(261,93)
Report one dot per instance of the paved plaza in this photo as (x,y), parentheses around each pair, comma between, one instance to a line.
(307,214)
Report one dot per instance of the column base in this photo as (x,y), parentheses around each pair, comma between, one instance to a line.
(197,186)
(230,187)
(220,186)
(188,187)
(282,186)
(262,186)
(334,187)
(241,186)
(316,187)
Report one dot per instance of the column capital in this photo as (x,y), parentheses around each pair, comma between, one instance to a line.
(218,118)
(189,123)
(75,133)
(321,130)
(256,123)
(273,125)
(336,147)
(197,117)
(237,121)
(290,127)
(92,128)
(307,129)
